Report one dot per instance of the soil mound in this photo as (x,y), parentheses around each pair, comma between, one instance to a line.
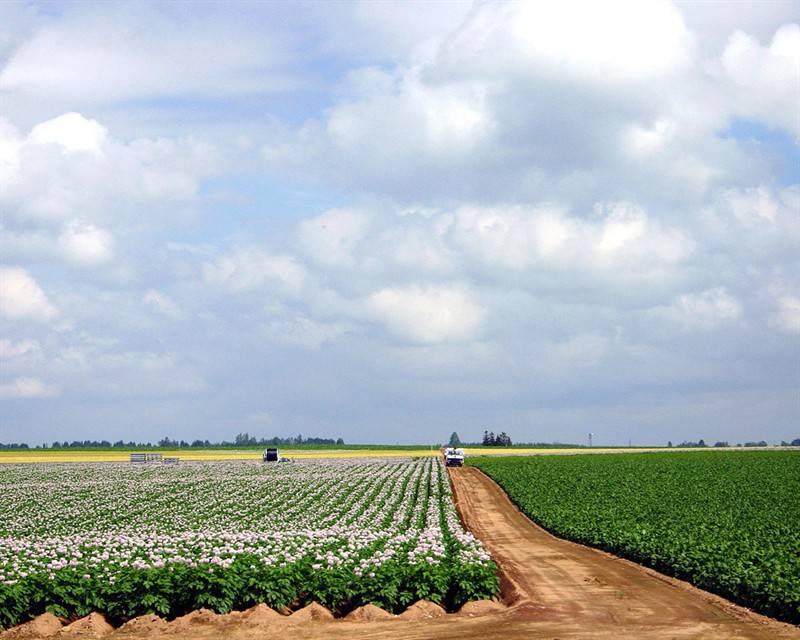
(192,620)
(314,612)
(92,626)
(41,626)
(422,610)
(261,614)
(481,608)
(146,624)
(368,613)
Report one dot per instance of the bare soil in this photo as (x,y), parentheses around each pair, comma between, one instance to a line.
(552,589)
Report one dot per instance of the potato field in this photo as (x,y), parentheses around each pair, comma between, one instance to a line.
(125,539)
(729,522)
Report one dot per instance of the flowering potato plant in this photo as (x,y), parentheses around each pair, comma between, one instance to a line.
(126,540)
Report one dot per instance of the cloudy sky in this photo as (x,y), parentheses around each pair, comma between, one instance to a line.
(388,220)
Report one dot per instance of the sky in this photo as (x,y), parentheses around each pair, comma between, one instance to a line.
(388,221)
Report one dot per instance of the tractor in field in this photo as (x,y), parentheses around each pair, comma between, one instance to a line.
(453,457)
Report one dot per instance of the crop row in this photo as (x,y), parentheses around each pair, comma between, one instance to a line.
(125,540)
(729,522)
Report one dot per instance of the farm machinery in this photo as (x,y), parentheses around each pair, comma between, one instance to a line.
(453,457)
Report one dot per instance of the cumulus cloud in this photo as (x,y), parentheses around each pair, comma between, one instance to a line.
(72,132)
(161,303)
(69,179)
(522,99)
(787,318)
(618,41)
(21,297)
(250,269)
(429,314)
(766,77)
(86,246)
(10,349)
(9,149)
(620,236)
(301,331)
(759,222)
(125,53)
(331,238)
(28,388)
(707,309)
(457,202)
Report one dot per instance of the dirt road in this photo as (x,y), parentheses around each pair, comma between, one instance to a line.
(554,590)
(592,593)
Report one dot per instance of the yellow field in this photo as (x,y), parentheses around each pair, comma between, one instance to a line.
(51,455)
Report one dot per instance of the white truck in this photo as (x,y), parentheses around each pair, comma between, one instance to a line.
(453,457)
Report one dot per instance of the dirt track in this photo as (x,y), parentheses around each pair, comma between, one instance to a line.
(555,590)
(592,594)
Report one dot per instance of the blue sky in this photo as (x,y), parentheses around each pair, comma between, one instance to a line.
(389,221)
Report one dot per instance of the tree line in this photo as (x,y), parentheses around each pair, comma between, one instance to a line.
(241,440)
(724,443)
(489,440)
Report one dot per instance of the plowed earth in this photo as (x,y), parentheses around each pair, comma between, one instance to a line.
(551,589)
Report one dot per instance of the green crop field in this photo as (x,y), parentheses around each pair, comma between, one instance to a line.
(729,522)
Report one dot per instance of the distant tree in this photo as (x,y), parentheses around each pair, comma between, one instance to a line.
(339,441)
(503,440)
(485,441)
(721,443)
(796,442)
(455,441)
(669,444)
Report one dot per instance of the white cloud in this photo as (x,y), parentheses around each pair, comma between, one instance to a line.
(124,53)
(523,102)
(249,269)
(584,351)
(10,142)
(620,236)
(86,245)
(304,332)
(787,318)
(428,314)
(21,297)
(390,29)
(706,310)
(520,195)
(28,388)
(331,238)
(43,185)
(612,41)
(72,132)
(161,303)
(10,349)
(767,77)
(758,223)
